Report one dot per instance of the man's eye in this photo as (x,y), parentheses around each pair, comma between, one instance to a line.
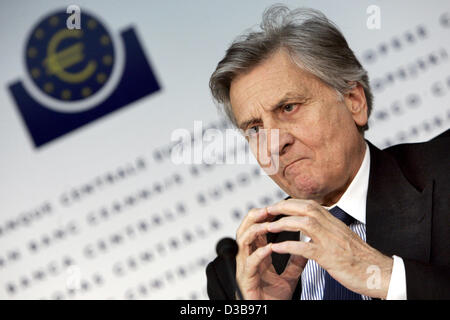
(289,107)
(253,130)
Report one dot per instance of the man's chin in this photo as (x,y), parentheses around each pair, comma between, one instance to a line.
(306,193)
(305,187)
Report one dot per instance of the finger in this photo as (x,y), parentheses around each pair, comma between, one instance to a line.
(253,216)
(300,248)
(255,259)
(294,268)
(266,264)
(260,241)
(249,236)
(308,225)
(295,207)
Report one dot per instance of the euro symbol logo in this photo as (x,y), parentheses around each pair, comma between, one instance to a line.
(56,63)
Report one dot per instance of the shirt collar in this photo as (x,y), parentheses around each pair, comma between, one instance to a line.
(353,201)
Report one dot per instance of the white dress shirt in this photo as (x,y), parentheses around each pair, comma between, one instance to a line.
(353,202)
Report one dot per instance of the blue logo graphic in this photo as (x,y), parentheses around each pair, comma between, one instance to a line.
(73,77)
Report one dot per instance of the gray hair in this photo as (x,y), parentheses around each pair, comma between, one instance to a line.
(313,42)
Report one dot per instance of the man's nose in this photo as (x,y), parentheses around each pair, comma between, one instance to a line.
(277,138)
(273,144)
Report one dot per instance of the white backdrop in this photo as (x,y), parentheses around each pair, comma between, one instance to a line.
(103,213)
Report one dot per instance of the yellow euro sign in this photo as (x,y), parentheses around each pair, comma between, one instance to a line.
(56,62)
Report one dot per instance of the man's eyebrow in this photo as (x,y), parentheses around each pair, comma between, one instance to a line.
(288,96)
(247,123)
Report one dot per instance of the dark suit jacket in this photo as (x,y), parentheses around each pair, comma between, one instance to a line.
(408,214)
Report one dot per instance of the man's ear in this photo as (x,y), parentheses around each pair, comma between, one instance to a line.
(356,103)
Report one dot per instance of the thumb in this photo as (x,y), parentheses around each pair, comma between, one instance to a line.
(294,267)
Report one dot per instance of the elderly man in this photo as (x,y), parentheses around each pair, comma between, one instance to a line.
(359,223)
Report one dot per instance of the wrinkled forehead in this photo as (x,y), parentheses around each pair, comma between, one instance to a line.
(269,83)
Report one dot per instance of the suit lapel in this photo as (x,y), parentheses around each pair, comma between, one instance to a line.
(398,216)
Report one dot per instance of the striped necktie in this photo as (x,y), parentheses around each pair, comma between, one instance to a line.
(333,289)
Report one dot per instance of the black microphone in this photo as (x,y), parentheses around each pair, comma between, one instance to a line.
(227,248)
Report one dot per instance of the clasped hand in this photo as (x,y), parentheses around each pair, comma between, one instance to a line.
(335,247)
